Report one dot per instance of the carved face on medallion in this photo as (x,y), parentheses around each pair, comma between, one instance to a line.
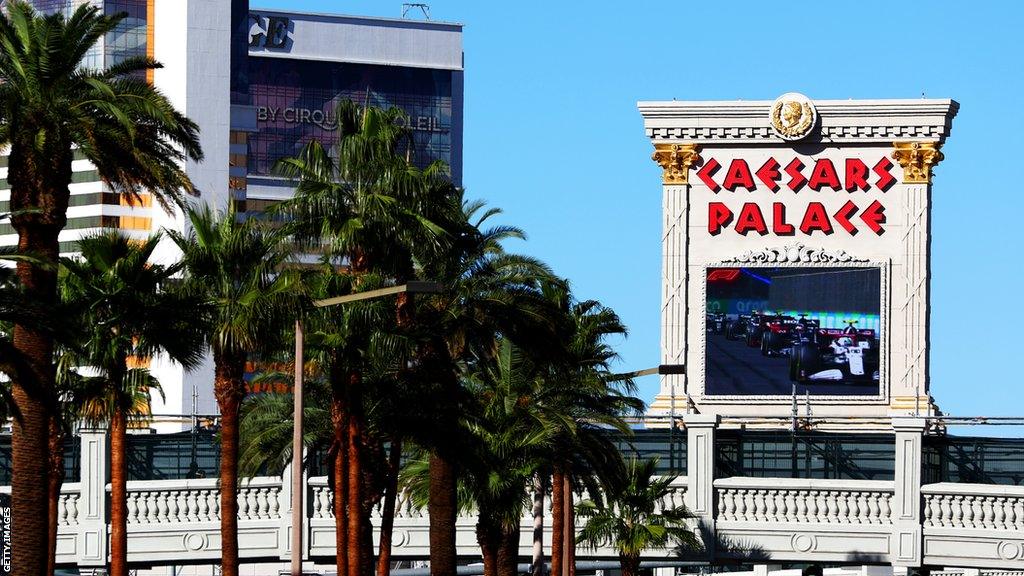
(793,116)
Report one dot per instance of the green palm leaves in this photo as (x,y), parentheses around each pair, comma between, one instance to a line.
(633,517)
(127,307)
(237,267)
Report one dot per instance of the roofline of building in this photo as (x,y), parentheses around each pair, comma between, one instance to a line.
(431,24)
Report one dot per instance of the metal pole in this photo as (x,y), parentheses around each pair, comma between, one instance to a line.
(297,488)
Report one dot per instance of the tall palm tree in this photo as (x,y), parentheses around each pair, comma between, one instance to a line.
(367,206)
(487,292)
(509,430)
(632,517)
(236,268)
(592,401)
(50,103)
(128,311)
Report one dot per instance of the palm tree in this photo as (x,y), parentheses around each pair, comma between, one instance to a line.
(487,292)
(593,402)
(235,267)
(632,517)
(50,103)
(509,430)
(128,311)
(367,207)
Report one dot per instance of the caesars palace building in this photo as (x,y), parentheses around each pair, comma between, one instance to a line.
(260,85)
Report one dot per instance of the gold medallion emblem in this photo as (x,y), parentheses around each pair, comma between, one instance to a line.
(793,116)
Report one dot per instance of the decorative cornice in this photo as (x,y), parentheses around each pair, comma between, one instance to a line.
(795,253)
(675,160)
(917,160)
(841,121)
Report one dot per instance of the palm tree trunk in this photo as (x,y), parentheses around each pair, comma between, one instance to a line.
(569,544)
(538,524)
(339,419)
(229,388)
(387,515)
(355,477)
(33,396)
(488,539)
(508,552)
(442,508)
(557,522)
(630,565)
(118,493)
(54,481)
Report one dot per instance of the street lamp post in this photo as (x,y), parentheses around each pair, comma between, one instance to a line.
(297,488)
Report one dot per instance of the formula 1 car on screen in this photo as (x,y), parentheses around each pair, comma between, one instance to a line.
(716,322)
(836,354)
(783,333)
(767,331)
(736,328)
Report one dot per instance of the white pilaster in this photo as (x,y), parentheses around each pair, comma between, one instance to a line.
(92,518)
(675,206)
(700,471)
(906,504)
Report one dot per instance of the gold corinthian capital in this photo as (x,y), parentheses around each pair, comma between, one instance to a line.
(675,160)
(917,160)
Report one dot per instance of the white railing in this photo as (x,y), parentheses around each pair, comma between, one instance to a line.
(982,507)
(186,501)
(67,506)
(785,520)
(802,501)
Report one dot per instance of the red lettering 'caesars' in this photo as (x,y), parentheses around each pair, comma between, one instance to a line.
(823,175)
(815,219)
(738,175)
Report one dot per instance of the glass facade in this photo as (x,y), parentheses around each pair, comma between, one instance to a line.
(128,39)
(296,102)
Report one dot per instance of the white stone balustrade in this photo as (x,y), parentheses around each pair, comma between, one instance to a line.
(951,505)
(787,520)
(189,501)
(973,525)
(802,501)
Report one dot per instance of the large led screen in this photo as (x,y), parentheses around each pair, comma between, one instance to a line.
(770,329)
(296,100)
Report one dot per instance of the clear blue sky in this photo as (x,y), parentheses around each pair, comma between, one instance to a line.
(553,137)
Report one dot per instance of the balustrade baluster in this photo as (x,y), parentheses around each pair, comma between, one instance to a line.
(151,509)
(274,499)
(759,506)
(986,509)
(161,506)
(730,503)
(172,506)
(1018,514)
(770,505)
(842,508)
(976,513)
(998,514)
(803,499)
(789,501)
(262,507)
(873,509)
(73,509)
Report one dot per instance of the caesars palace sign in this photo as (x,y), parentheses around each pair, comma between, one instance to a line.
(796,253)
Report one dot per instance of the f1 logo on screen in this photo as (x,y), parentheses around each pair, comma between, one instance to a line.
(271,32)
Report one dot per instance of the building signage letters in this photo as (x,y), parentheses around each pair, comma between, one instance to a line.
(271,32)
(328,121)
(822,175)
